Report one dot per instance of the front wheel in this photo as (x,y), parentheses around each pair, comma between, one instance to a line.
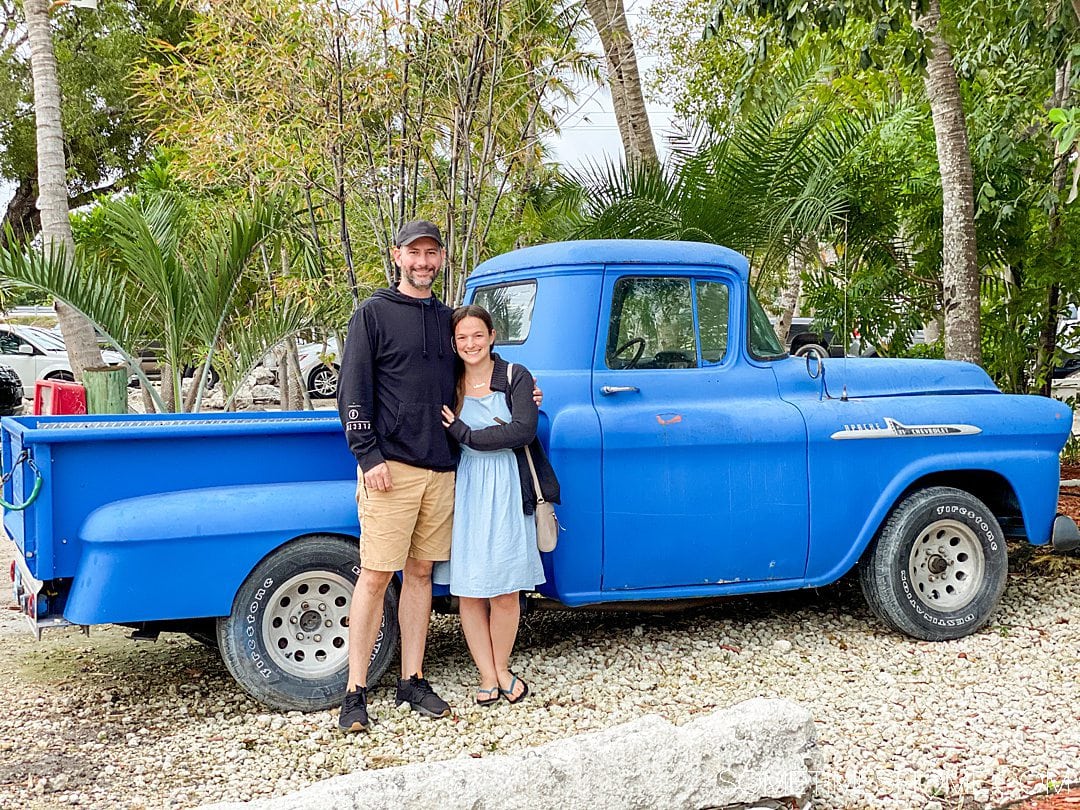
(937,569)
(286,640)
(811,350)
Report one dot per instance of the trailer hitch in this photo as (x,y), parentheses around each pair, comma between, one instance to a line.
(23,458)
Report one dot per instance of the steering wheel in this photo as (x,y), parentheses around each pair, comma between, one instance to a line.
(639,342)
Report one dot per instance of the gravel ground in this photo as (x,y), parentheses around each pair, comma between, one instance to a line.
(105,722)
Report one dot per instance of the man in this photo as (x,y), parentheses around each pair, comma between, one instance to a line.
(396,374)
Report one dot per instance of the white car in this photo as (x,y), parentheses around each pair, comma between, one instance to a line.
(40,354)
(319,363)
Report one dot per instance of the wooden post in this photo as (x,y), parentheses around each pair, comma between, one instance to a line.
(106,389)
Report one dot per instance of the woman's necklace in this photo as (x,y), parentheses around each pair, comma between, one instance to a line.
(483,383)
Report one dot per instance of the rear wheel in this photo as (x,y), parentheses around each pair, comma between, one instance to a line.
(937,568)
(286,640)
(62,376)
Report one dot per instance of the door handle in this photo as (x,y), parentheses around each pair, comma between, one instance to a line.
(608,390)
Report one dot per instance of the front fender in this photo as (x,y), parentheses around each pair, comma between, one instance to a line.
(1034,485)
(182,555)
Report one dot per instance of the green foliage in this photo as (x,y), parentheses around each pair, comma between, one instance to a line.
(105,135)
(147,271)
(377,112)
(785,177)
(924,351)
(1066,126)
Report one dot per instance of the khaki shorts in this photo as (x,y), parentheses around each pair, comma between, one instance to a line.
(414,519)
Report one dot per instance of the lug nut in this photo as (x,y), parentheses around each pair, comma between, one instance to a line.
(317,637)
(299,636)
(328,623)
(322,607)
(303,605)
(293,620)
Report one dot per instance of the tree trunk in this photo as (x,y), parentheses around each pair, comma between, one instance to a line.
(300,396)
(106,390)
(960,258)
(83,352)
(281,357)
(609,17)
(168,388)
(22,215)
(1044,367)
(789,297)
(147,399)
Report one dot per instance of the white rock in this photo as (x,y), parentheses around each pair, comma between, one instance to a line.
(758,748)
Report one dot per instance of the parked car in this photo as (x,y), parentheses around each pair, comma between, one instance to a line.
(803,339)
(40,354)
(11,392)
(319,364)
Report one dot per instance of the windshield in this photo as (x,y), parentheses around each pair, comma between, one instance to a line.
(47,339)
(762,340)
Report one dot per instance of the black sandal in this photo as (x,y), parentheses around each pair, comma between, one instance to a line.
(506,693)
(495,693)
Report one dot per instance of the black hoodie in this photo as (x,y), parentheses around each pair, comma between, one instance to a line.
(396,374)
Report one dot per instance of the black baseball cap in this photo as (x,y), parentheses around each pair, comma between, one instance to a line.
(418,229)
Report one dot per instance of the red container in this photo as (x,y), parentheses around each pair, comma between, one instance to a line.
(52,397)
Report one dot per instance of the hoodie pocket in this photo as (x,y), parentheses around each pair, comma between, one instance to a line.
(417,432)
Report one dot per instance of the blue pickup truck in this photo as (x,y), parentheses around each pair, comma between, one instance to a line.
(697,459)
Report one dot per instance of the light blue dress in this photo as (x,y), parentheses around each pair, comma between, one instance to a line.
(494,542)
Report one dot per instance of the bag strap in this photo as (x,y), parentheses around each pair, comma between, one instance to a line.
(536,481)
(528,454)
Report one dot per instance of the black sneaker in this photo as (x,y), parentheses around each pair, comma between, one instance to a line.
(417,692)
(354,716)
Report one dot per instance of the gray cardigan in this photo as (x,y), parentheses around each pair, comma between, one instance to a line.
(516,434)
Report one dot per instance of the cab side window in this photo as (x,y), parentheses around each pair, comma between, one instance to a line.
(652,324)
(712,308)
(9,344)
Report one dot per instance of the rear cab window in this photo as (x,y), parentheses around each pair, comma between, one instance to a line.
(511,307)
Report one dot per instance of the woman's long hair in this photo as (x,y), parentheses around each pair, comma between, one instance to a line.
(460,314)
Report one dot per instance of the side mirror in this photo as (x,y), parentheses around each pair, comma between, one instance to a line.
(26,348)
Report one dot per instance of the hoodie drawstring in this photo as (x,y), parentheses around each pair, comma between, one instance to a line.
(424,307)
(438,331)
(423,329)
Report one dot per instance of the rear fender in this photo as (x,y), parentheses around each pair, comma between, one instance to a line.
(183,555)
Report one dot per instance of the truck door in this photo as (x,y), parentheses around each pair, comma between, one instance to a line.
(704,466)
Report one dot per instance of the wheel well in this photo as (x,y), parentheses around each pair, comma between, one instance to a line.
(349,538)
(989,487)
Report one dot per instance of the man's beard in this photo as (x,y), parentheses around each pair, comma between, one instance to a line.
(420,284)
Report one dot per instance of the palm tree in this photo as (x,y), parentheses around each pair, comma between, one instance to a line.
(156,278)
(781,182)
(609,17)
(52,175)
(773,181)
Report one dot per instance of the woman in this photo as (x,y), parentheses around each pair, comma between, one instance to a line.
(493,555)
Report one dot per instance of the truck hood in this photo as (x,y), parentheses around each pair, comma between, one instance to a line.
(879,377)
